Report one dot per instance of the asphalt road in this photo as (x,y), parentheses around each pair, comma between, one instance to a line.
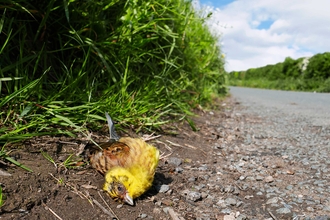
(315,107)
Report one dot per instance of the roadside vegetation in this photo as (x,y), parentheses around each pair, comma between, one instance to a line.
(64,63)
(303,74)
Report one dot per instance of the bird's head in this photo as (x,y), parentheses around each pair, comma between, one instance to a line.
(117,184)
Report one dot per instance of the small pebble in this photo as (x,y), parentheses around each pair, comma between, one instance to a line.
(269,179)
(231,201)
(156,211)
(142,215)
(310,209)
(241,217)
(202,168)
(166,209)
(229,217)
(192,179)
(272,200)
(174,161)
(289,187)
(178,170)
(163,188)
(283,211)
(239,203)
(226,211)
(204,195)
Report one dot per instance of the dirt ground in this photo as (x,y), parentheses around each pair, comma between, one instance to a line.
(53,191)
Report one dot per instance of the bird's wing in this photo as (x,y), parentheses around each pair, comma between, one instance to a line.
(113,155)
(112,131)
(130,153)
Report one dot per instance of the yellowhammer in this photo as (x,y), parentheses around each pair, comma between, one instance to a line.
(129,165)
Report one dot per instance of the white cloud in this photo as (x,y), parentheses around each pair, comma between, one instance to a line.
(300,28)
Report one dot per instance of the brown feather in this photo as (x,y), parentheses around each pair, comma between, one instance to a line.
(124,153)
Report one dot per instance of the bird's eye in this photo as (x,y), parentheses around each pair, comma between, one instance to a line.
(120,188)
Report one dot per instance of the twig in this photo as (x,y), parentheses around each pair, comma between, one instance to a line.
(195,148)
(49,209)
(186,134)
(297,216)
(174,144)
(162,156)
(271,214)
(74,189)
(150,137)
(178,145)
(173,214)
(168,147)
(239,187)
(104,209)
(66,142)
(81,149)
(188,145)
(80,194)
(84,144)
(115,216)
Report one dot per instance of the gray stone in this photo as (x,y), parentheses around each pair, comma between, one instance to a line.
(142,215)
(178,170)
(272,200)
(231,201)
(269,179)
(163,188)
(192,179)
(283,211)
(174,161)
(194,196)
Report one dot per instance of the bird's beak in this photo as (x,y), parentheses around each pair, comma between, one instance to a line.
(128,199)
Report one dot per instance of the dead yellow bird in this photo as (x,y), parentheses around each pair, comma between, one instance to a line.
(128,164)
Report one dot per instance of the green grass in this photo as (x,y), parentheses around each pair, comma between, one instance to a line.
(2,197)
(70,162)
(4,156)
(64,63)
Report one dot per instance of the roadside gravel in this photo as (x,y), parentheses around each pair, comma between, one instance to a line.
(286,163)
(265,164)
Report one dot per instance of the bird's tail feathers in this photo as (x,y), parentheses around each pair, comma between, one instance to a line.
(112,131)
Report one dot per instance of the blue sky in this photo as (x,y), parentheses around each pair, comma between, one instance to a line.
(215,3)
(259,32)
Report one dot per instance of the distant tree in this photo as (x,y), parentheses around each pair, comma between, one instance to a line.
(318,67)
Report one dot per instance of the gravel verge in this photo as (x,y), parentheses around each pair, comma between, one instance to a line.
(265,164)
